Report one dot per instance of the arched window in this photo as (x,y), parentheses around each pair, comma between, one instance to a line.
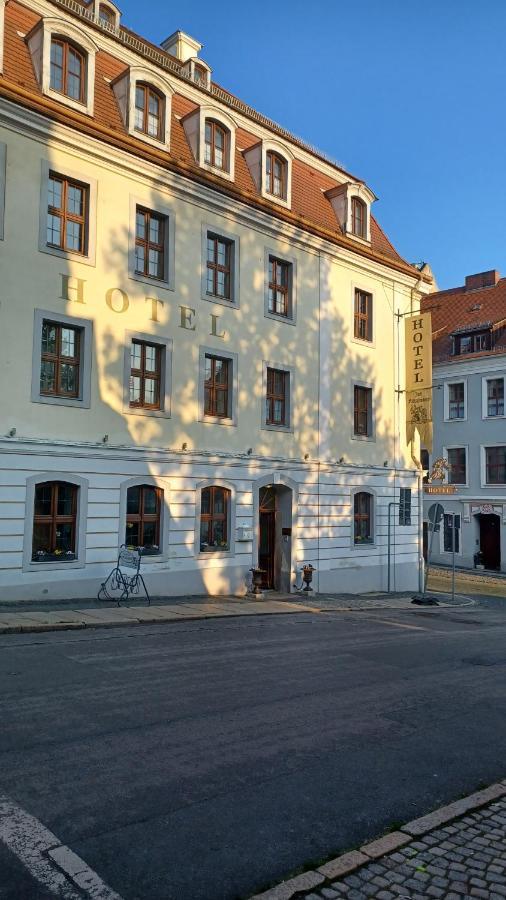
(358,218)
(214,519)
(68,69)
(149,111)
(54,522)
(106,15)
(276,175)
(216,145)
(143,507)
(363,518)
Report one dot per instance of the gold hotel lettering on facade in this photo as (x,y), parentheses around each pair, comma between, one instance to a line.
(118,301)
(418,338)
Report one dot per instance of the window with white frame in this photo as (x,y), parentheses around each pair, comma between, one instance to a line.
(270,164)
(456,400)
(493,397)
(457,465)
(144,101)
(63,57)
(495,465)
(211,135)
(55,532)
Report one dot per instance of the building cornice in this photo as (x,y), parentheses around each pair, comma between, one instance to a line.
(480,366)
(182,181)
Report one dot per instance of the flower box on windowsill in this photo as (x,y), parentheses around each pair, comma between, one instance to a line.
(153,550)
(362,540)
(43,556)
(210,548)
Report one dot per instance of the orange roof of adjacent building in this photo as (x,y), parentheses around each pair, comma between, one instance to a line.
(479,304)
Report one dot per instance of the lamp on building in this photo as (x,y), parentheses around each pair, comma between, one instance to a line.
(306,456)
(341,459)
(386,464)
(12,432)
(105,439)
(184,446)
(250,451)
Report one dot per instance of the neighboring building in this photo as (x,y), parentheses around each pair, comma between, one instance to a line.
(469,372)
(200,352)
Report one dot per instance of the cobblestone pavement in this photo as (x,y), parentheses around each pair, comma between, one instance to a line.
(466,859)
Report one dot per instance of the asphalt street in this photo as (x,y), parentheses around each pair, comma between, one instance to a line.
(206,760)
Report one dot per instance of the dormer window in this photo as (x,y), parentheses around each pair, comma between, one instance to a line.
(106,15)
(68,70)
(358,218)
(216,139)
(470,342)
(63,58)
(149,111)
(275,173)
(144,99)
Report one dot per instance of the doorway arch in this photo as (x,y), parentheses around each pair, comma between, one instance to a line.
(489,525)
(275,513)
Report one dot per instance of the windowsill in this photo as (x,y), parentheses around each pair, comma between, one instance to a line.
(217,420)
(370,438)
(361,240)
(285,429)
(53,565)
(167,285)
(61,401)
(221,173)
(85,108)
(273,199)
(143,411)
(363,342)
(214,554)
(363,544)
(462,419)
(220,301)
(288,320)
(493,418)
(67,254)
(160,143)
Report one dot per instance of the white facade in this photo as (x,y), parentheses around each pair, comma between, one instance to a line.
(316,462)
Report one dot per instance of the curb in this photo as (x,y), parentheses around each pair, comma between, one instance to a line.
(84,626)
(349,862)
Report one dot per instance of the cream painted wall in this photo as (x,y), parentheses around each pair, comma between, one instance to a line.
(251,335)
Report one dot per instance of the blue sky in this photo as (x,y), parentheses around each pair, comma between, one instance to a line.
(409,95)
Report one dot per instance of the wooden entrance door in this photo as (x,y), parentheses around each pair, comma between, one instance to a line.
(267,535)
(490,540)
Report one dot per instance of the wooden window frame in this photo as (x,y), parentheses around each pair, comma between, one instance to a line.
(279,265)
(495,399)
(58,359)
(459,404)
(149,91)
(363,321)
(148,245)
(362,515)
(358,219)
(143,374)
(214,266)
(496,465)
(141,517)
(457,469)
(67,45)
(272,396)
(217,126)
(105,14)
(362,409)
(271,158)
(215,388)
(211,517)
(55,520)
(64,216)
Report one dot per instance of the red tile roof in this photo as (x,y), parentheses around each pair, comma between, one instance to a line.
(311,209)
(460,310)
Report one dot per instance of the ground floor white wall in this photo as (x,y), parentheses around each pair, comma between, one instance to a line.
(322,521)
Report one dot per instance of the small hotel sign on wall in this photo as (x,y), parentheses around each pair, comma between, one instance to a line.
(419,378)
(440,489)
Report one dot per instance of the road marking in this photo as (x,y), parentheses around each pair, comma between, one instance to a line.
(402,625)
(52,864)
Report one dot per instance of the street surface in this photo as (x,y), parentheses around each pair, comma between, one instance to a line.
(207,760)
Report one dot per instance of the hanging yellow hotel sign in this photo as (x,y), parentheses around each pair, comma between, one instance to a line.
(419,378)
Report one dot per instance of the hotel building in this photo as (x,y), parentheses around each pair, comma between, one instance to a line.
(201,330)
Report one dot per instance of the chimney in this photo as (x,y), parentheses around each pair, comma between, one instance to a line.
(482,280)
(182,46)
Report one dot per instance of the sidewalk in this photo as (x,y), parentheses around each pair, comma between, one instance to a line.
(455,853)
(66,615)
